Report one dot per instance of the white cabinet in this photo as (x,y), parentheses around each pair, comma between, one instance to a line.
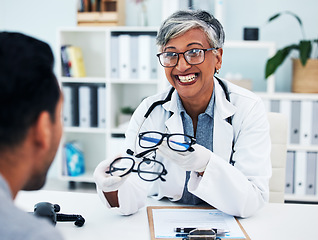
(302,114)
(301,111)
(107,53)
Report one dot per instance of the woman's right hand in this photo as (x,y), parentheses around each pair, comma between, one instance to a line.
(105,181)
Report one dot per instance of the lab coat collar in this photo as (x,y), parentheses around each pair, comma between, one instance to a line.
(222,106)
(174,123)
(223,131)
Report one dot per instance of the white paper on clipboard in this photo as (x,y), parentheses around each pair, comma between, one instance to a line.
(165,220)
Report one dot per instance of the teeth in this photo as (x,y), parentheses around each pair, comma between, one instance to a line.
(188,78)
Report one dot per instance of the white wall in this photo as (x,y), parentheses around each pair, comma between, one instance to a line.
(283,31)
(251,13)
(38,18)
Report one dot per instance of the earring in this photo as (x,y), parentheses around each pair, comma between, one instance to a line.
(217,71)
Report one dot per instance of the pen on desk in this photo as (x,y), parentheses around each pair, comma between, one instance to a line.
(182,234)
(189,229)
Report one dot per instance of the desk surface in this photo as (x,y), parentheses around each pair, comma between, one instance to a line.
(274,221)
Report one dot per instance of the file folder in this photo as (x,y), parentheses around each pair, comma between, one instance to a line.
(295,122)
(290,163)
(84,106)
(144,57)
(300,172)
(285,108)
(311,173)
(88,106)
(153,58)
(124,56)
(93,106)
(314,136)
(67,107)
(114,56)
(134,57)
(316,176)
(305,120)
(101,102)
(70,106)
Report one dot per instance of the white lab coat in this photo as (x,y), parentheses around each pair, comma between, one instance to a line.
(240,190)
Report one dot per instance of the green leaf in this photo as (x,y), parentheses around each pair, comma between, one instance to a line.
(304,51)
(274,17)
(274,62)
(294,15)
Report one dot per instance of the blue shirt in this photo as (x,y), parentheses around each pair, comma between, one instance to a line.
(204,137)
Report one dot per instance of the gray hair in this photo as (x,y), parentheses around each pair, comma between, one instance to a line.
(182,21)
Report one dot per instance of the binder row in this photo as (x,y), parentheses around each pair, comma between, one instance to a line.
(302,173)
(133,56)
(302,118)
(84,105)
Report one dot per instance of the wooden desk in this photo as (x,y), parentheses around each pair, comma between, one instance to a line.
(274,221)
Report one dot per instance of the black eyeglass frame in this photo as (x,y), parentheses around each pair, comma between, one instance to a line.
(184,56)
(138,170)
(167,135)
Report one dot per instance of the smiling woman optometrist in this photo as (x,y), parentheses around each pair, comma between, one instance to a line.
(229,166)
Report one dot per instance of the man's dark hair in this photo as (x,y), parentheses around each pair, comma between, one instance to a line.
(28,85)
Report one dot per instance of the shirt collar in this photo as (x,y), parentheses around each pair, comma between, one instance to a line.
(208,110)
(5,187)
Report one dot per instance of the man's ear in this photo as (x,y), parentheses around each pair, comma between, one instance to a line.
(42,130)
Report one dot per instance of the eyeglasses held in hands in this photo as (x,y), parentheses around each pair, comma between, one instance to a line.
(148,169)
(177,141)
(193,57)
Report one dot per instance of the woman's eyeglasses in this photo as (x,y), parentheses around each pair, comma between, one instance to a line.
(148,168)
(193,57)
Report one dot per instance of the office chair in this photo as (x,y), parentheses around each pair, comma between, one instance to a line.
(278,133)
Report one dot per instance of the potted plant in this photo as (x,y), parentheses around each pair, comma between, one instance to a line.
(304,65)
(125,114)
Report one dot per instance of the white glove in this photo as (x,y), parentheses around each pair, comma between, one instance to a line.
(105,181)
(190,161)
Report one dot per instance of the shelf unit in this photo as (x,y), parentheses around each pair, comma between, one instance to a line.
(303,175)
(99,143)
(301,111)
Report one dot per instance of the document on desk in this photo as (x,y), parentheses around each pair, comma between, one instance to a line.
(166,219)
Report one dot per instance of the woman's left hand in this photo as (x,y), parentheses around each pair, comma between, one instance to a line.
(190,160)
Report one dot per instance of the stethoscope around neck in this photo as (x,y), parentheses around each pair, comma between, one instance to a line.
(168,98)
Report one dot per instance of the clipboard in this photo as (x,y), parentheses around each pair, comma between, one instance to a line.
(151,222)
